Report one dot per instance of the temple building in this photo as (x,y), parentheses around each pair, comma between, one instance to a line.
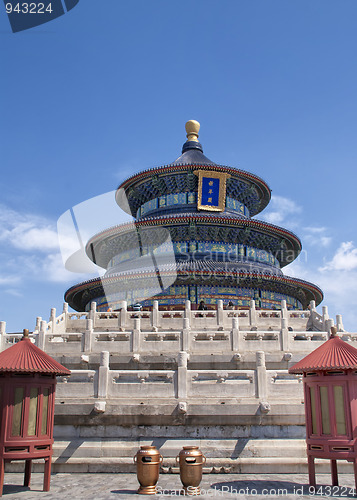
(204,359)
(194,238)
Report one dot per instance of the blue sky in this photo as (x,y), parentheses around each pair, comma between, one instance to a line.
(105,90)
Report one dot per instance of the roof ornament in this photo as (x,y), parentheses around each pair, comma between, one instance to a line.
(333,332)
(25,334)
(192,129)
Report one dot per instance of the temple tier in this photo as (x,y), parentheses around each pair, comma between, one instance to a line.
(194,239)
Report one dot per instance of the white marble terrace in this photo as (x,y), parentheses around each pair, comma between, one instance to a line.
(218,331)
(243,334)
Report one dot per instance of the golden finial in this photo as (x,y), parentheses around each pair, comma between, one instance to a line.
(25,333)
(192,129)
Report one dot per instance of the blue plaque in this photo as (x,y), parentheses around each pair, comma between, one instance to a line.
(211,190)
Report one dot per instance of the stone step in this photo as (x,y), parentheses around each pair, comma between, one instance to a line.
(169,448)
(267,465)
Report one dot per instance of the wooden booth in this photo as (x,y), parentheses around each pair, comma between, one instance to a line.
(27,400)
(330,392)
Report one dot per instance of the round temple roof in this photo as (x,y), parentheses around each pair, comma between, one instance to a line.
(79,295)
(284,244)
(179,176)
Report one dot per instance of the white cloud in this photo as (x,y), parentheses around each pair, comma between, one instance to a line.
(9,280)
(325,241)
(316,236)
(281,210)
(42,268)
(315,230)
(340,289)
(337,280)
(30,251)
(14,292)
(54,270)
(345,258)
(287,213)
(26,231)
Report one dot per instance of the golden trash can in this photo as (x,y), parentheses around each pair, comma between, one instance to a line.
(148,460)
(191,460)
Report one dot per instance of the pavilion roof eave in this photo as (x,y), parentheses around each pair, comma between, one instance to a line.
(141,177)
(25,357)
(97,283)
(334,354)
(169,221)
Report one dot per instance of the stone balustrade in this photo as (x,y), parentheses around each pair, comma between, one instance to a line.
(156,319)
(80,384)
(209,342)
(208,331)
(221,384)
(141,384)
(181,383)
(282,384)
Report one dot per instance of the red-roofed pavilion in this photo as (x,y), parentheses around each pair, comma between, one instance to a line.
(27,400)
(330,391)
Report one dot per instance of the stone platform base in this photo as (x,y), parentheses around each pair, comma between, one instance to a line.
(246,456)
(221,466)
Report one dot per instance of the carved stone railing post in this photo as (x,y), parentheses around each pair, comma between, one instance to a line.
(53,319)
(261,375)
(235,334)
(155,316)
(182,375)
(103,375)
(325,318)
(136,336)
(284,310)
(188,311)
(329,323)
(65,312)
(38,323)
(42,335)
(185,337)
(310,324)
(88,336)
(123,316)
(339,323)
(252,315)
(284,335)
(220,314)
(92,313)
(2,335)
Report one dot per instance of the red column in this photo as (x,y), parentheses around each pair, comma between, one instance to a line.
(47,474)
(27,479)
(311,464)
(334,474)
